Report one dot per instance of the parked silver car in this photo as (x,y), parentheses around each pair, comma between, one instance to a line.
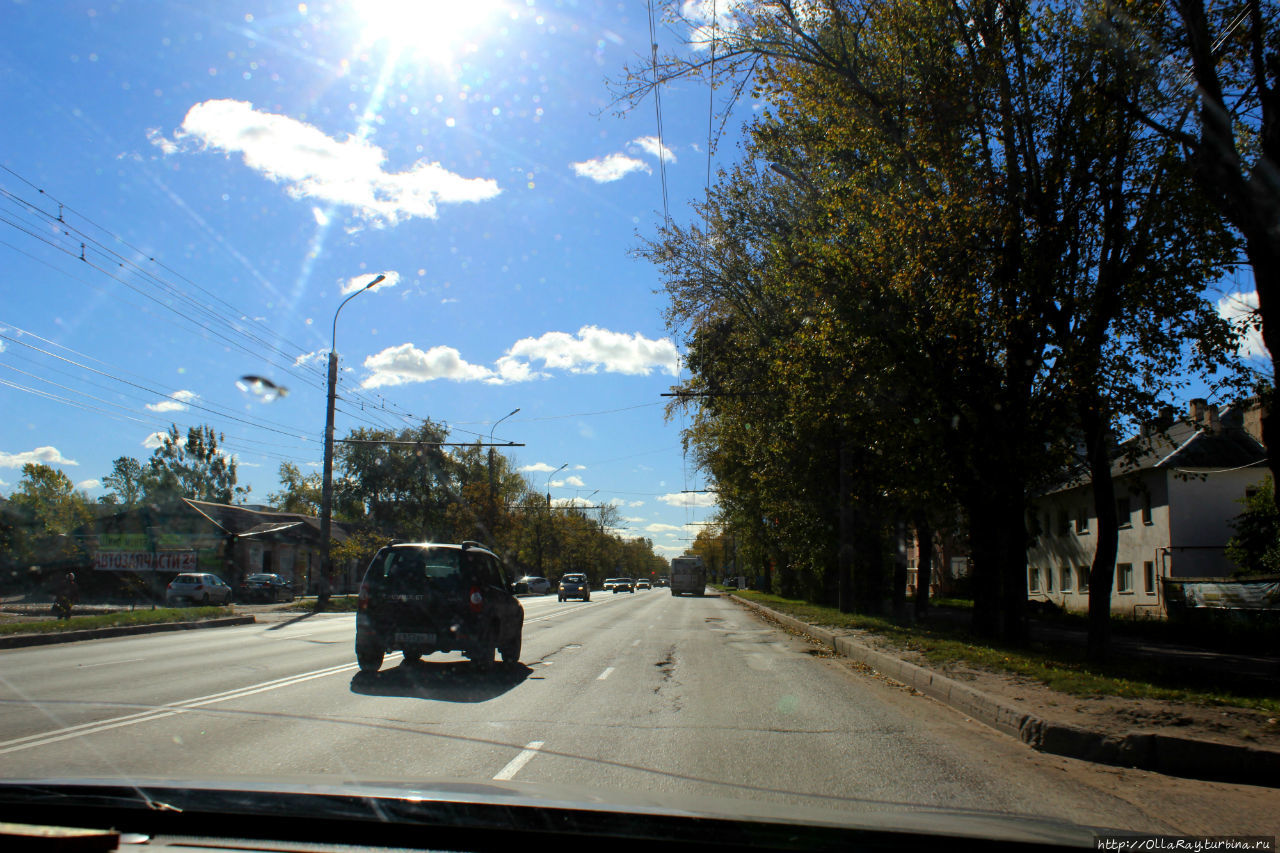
(197,589)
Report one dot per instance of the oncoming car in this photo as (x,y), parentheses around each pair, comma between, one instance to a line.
(620,585)
(421,598)
(575,586)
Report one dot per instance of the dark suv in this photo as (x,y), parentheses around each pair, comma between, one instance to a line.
(422,598)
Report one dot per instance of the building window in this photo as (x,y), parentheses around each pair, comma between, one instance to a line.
(1149,577)
(1048,580)
(1064,575)
(1033,579)
(1123,512)
(1082,575)
(1082,520)
(1146,510)
(1064,523)
(1124,577)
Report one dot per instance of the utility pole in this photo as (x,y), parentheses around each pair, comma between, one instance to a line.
(326,494)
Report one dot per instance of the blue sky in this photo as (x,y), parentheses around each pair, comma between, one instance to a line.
(232,169)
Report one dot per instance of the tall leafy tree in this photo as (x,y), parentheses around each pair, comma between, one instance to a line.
(986,219)
(125,482)
(56,510)
(192,466)
(299,492)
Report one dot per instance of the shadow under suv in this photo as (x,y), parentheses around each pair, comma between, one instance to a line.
(423,597)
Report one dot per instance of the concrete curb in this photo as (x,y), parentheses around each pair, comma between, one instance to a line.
(1175,756)
(19,641)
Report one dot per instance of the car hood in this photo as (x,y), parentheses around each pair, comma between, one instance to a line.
(334,810)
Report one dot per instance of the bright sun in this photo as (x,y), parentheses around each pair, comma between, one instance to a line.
(436,31)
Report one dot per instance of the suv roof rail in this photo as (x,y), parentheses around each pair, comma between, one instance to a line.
(470,543)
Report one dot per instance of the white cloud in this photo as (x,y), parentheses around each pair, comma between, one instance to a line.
(510,370)
(657,527)
(635,503)
(313,165)
(406,363)
(683,499)
(41,455)
(308,357)
(1242,310)
(728,17)
(177,402)
(322,218)
(578,468)
(594,348)
(609,168)
(86,485)
(574,501)
(651,146)
(632,519)
(156,439)
(576,481)
(591,350)
(392,278)
(540,467)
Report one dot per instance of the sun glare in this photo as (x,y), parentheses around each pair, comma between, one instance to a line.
(437,31)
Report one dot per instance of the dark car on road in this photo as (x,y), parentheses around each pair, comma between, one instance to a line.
(421,598)
(264,587)
(575,586)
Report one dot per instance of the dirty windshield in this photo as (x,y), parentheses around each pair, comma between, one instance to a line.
(902,365)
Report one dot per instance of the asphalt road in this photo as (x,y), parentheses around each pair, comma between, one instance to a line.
(632,693)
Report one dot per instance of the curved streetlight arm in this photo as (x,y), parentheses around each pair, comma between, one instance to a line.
(333,339)
(500,420)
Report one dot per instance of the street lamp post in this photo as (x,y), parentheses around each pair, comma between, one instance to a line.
(493,507)
(548,489)
(326,493)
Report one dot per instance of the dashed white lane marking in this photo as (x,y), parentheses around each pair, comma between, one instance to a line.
(634,644)
(602,676)
(514,765)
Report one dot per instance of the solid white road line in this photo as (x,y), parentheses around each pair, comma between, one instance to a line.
(514,765)
(602,676)
(166,710)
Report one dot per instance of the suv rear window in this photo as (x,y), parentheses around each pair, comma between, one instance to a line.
(408,565)
(575,578)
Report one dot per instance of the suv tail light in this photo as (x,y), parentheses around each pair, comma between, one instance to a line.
(477,600)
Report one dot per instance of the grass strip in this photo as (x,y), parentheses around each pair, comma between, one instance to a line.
(1062,668)
(337,604)
(113,620)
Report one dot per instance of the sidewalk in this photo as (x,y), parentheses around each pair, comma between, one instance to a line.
(1098,729)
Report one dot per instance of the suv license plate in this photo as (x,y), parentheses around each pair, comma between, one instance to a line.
(415,639)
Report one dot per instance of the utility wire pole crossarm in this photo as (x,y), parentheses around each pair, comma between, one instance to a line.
(326,496)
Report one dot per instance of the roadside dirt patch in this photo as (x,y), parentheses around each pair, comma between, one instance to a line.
(1111,715)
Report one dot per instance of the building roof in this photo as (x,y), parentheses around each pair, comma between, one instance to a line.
(1203,441)
(242,520)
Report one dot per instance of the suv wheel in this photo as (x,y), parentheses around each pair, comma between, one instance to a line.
(511,653)
(369,657)
(482,657)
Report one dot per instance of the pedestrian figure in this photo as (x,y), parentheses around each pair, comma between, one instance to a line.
(67,596)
